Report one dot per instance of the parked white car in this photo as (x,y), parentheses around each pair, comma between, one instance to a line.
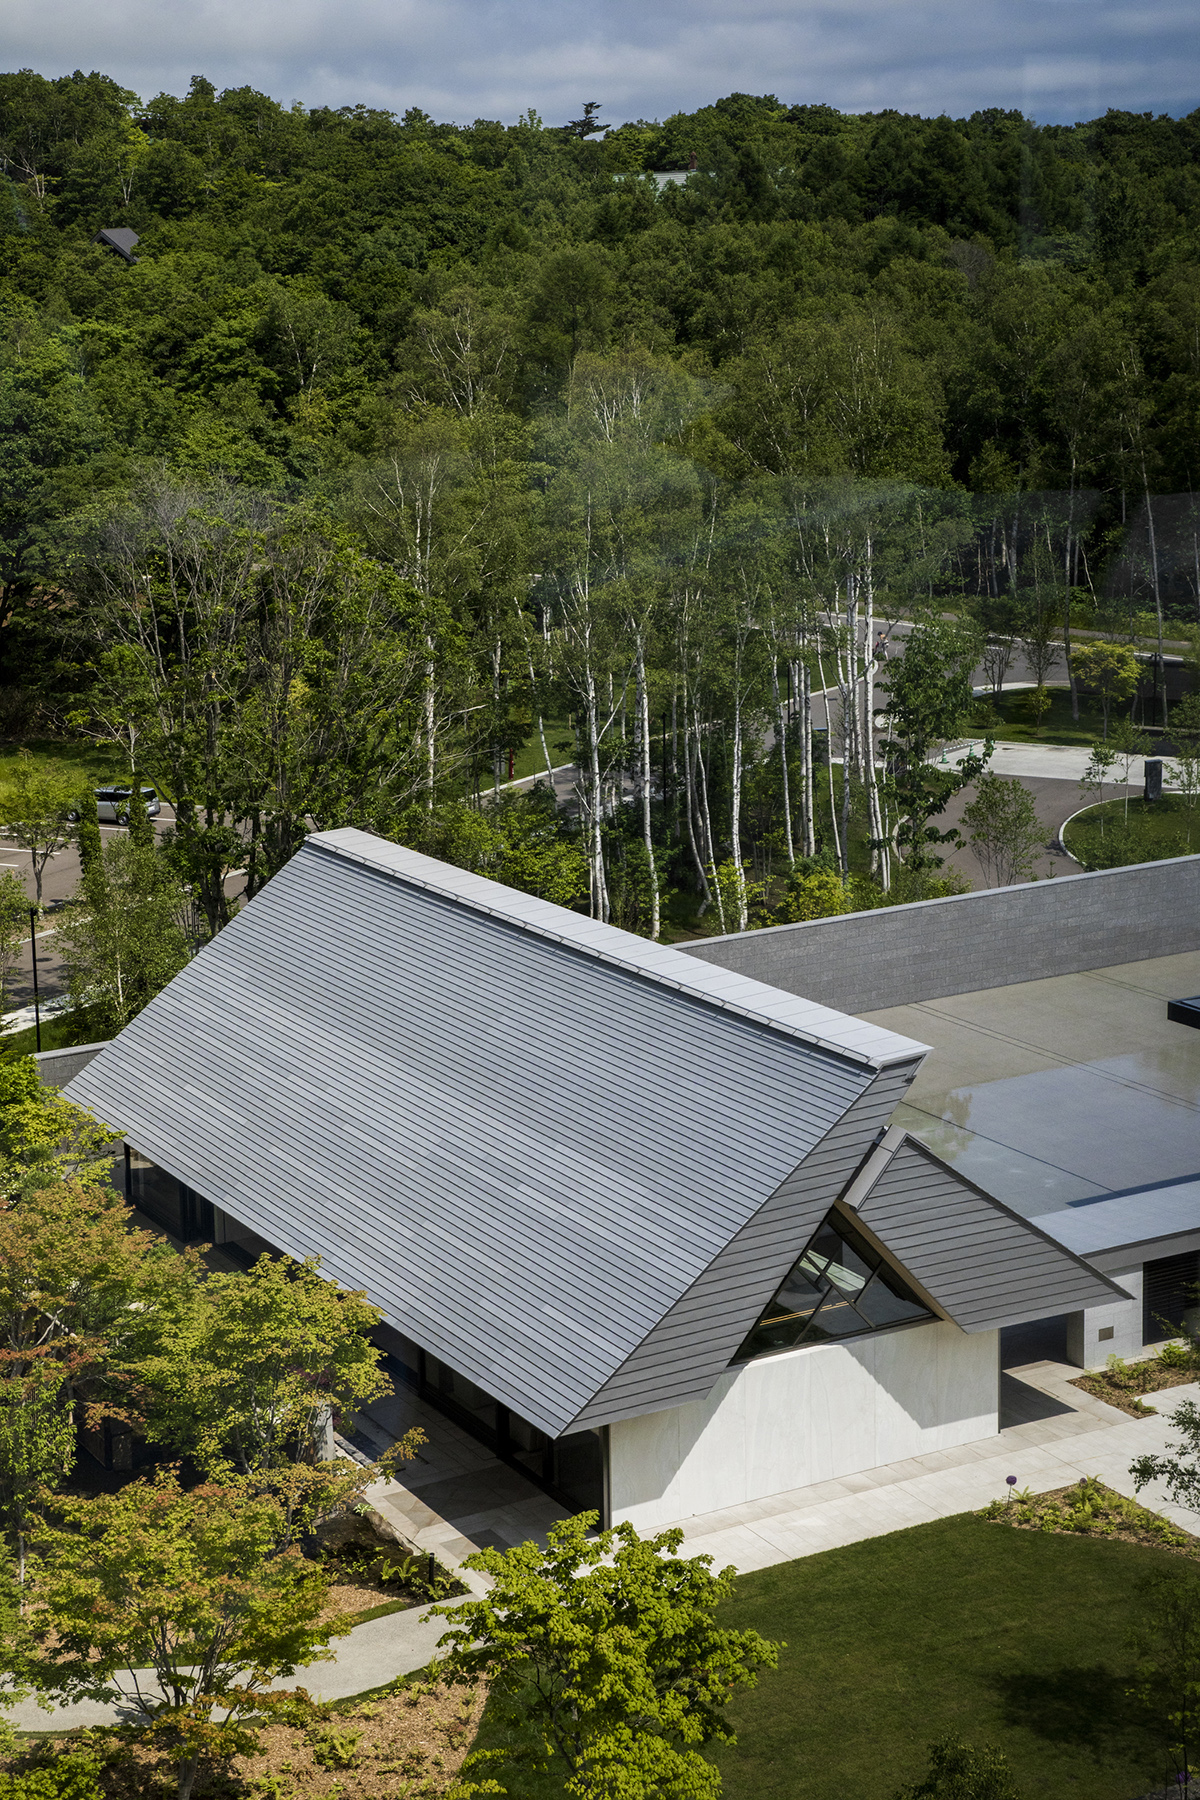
(112,804)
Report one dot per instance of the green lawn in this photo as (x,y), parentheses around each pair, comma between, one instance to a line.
(1016,1638)
(59,1032)
(87,763)
(1165,828)
(1057,726)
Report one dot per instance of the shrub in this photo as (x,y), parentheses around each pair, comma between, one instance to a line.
(959,1771)
(74,1776)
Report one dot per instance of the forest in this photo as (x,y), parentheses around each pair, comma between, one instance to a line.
(401,459)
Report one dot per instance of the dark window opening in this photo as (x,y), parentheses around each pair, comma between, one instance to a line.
(570,1469)
(838,1288)
(173,1206)
(1170,1297)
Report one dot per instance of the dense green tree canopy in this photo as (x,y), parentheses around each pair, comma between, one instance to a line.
(402,445)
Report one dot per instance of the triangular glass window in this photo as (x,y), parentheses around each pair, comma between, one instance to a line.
(839,1287)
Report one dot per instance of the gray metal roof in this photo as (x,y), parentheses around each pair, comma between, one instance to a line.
(1148,1221)
(525,1134)
(982,1264)
(119,238)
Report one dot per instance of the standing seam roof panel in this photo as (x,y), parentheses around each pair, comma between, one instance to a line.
(923,1211)
(524,1152)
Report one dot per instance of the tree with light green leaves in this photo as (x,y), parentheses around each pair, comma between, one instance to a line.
(961,1771)
(14,931)
(1129,742)
(203,1588)
(605,1663)
(1097,773)
(250,1371)
(1112,670)
(73,1279)
(813,893)
(929,701)
(45,1138)
(1003,829)
(122,937)
(1185,764)
(35,812)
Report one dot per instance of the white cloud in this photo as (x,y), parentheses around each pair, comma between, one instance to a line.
(462,59)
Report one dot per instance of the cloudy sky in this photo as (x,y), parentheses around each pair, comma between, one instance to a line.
(1057,60)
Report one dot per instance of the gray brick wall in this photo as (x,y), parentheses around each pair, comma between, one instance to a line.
(863,962)
(57,1067)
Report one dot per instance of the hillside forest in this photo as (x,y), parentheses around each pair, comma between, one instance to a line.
(399,458)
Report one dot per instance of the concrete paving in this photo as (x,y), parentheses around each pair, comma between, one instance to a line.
(1074,1435)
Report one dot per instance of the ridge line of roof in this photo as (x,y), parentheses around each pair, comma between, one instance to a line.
(324,844)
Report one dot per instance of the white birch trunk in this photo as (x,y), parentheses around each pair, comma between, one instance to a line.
(781,715)
(643,702)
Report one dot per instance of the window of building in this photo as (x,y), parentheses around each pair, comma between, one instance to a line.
(1170,1296)
(168,1203)
(839,1288)
(571,1468)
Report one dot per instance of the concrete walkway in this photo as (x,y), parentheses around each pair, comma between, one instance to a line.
(1063,1433)
(1071,1434)
(1056,762)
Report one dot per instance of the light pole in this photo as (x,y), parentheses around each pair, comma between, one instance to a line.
(37,1010)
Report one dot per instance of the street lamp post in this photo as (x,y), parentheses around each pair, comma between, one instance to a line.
(37,1010)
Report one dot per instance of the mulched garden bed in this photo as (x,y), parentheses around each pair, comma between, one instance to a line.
(1088,1507)
(1123,1383)
(371,1574)
(404,1743)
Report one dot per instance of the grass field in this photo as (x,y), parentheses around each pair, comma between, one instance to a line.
(1009,1637)
(1164,828)
(1057,726)
(91,764)
(1016,1638)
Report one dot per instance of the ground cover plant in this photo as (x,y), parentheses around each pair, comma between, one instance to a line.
(1123,1383)
(1018,1639)
(1114,833)
(1091,1508)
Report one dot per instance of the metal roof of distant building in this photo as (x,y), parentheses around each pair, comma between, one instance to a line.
(119,238)
(525,1133)
(1144,1220)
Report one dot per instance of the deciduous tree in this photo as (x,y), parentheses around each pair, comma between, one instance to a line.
(35,811)
(122,938)
(1004,829)
(248,1371)
(202,1589)
(605,1661)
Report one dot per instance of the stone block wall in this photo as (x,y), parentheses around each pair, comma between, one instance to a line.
(863,962)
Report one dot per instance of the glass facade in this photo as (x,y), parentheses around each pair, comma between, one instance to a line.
(571,1468)
(173,1206)
(1170,1296)
(840,1287)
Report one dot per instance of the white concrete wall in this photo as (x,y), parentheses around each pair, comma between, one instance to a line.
(809,1415)
(1121,1320)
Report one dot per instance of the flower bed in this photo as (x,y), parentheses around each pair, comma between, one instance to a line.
(1088,1507)
(1122,1383)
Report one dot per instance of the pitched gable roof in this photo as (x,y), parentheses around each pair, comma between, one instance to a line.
(983,1265)
(526,1134)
